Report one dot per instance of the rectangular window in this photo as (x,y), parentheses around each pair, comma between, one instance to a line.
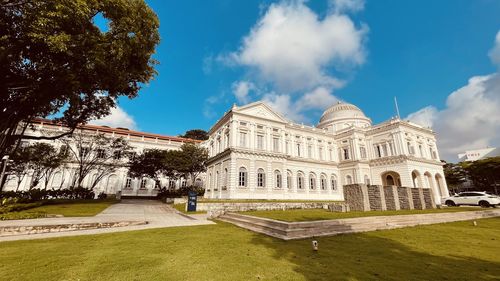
(391,148)
(384,149)
(288,182)
(309,151)
(143,183)
(243,139)
(320,152)
(346,153)
(242,180)
(260,142)
(117,155)
(128,183)
(298,149)
(330,152)
(278,181)
(362,152)
(276,144)
(378,151)
(287,147)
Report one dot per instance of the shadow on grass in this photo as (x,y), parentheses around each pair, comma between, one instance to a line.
(371,256)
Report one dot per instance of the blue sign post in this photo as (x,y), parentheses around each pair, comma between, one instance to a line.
(191,205)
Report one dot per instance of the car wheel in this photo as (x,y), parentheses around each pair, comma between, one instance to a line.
(484,204)
(450,203)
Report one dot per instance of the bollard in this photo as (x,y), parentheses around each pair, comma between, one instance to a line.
(315,245)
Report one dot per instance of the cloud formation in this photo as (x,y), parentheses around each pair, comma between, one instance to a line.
(495,51)
(117,118)
(471,118)
(241,90)
(293,51)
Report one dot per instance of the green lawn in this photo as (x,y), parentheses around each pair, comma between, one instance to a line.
(454,251)
(321,214)
(77,208)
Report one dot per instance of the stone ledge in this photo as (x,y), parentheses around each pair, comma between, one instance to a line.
(51,228)
(299,230)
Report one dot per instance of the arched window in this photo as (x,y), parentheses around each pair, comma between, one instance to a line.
(242,177)
(323,182)
(348,179)
(300,181)
(312,181)
(261,178)
(288,179)
(333,180)
(277,175)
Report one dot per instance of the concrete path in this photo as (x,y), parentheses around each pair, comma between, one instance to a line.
(156,214)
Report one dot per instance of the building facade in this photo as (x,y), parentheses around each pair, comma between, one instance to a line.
(116,181)
(478,154)
(255,153)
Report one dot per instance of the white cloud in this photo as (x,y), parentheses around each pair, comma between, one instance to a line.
(289,56)
(341,6)
(241,90)
(117,118)
(319,98)
(424,116)
(470,120)
(291,47)
(495,51)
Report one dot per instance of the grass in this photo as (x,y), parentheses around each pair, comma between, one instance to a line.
(453,251)
(322,214)
(67,208)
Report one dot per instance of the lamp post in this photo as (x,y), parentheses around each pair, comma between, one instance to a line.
(5,160)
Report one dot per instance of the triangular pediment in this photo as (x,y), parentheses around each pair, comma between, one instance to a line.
(261,110)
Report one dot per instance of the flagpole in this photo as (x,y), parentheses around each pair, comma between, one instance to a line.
(397,108)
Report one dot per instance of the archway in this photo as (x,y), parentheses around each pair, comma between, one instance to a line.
(416,179)
(440,185)
(391,178)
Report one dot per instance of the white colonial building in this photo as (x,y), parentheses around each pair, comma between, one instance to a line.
(117,180)
(255,153)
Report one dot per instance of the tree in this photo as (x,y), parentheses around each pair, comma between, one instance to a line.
(149,164)
(19,165)
(196,134)
(485,174)
(192,159)
(454,174)
(95,152)
(55,59)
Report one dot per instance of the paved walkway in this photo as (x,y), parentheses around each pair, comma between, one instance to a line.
(157,214)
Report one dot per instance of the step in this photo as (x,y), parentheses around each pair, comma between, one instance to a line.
(299,230)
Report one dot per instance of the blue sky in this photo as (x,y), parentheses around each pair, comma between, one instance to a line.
(420,51)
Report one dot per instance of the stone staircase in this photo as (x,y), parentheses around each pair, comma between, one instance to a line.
(299,230)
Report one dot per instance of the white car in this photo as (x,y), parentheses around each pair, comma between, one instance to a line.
(476,198)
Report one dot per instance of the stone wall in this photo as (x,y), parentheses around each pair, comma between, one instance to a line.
(404,202)
(390,203)
(268,206)
(374,197)
(429,202)
(354,197)
(360,197)
(417,204)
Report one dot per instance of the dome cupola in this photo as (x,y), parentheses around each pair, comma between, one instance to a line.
(343,115)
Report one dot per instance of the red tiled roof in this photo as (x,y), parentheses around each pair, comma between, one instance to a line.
(120,131)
